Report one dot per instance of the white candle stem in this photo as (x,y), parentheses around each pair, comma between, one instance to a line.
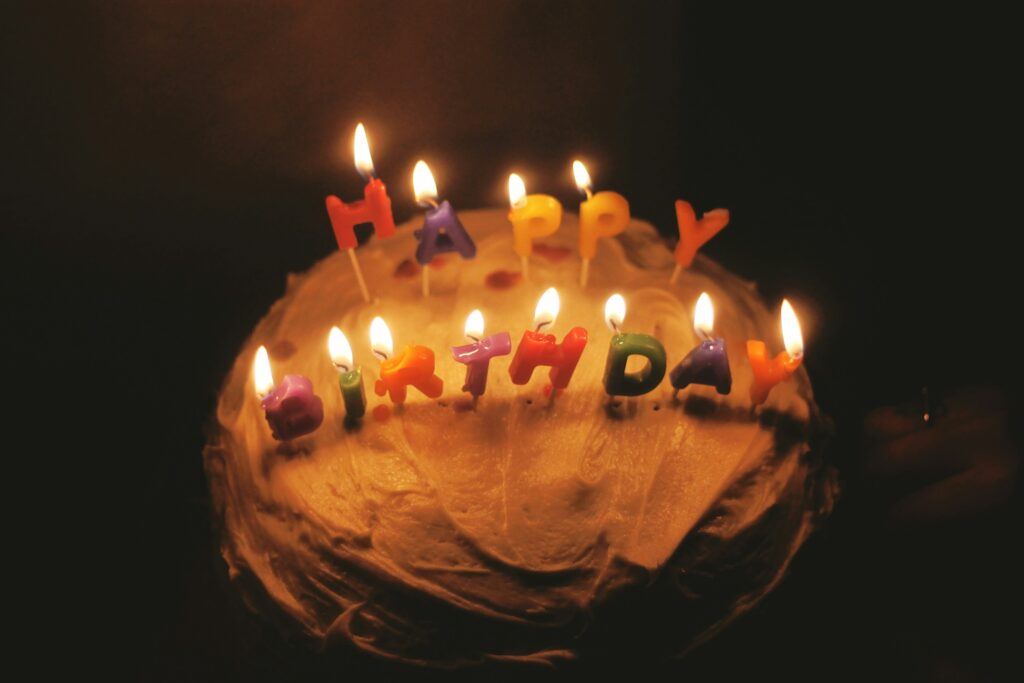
(675,274)
(359,275)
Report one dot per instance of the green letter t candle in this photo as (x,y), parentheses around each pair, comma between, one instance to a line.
(350,379)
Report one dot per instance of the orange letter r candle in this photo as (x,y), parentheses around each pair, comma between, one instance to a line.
(414,367)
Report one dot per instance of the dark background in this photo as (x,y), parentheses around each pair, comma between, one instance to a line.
(166,165)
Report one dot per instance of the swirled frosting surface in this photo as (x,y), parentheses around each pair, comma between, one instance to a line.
(518,528)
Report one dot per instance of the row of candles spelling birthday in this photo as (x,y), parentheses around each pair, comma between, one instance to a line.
(292,409)
(604,214)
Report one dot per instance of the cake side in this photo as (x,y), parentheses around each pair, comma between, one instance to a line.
(517,521)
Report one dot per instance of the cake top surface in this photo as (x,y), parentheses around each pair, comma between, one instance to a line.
(519,508)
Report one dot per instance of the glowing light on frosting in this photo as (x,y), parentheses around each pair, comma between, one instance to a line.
(423,184)
(340,349)
(361,147)
(583,182)
(704,316)
(474,325)
(791,333)
(516,191)
(615,312)
(547,309)
(262,374)
(380,339)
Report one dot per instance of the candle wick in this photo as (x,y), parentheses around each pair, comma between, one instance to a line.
(380,354)
(472,338)
(541,324)
(615,326)
(590,195)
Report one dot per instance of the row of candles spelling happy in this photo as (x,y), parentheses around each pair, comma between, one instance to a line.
(604,214)
(292,409)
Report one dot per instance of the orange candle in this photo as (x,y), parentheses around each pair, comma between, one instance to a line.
(413,367)
(375,208)
(532,216)
(694,233)
(770,371)
(604,214)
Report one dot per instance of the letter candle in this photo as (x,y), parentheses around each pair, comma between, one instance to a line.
(442,231)
(769,372)
(414,367)
(537,348)
(707,363)
(532,216)
(292,408)
(350,378)
(604,214)
(694,233)
(375,208)
(617,382)
(477,355)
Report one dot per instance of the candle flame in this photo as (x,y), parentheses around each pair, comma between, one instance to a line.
(615,312)
(583,182)
(791,333)
(516,191)
(423,184)
(262,374)
(380,339)
(474,328)
(340,350)
(547,309)
(704,316)
(364,164)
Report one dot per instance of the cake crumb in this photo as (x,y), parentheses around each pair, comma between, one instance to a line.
(407,268)
(502,279)
(551,252)
(281,350)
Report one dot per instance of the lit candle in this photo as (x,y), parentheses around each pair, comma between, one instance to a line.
(532,216)
(770,371)
(707,363)
(604,214)
(618,382)
(414,367)
(694,233)
(350,378)
(478,353)
(292,408)
(442,230)
(537,348)
(375,208)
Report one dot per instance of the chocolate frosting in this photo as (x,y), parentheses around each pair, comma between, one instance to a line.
(519,529)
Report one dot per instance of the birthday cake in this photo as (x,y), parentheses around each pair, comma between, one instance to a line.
(530,525)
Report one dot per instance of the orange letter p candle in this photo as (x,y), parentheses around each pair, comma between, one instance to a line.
(532,216)
(604,214)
